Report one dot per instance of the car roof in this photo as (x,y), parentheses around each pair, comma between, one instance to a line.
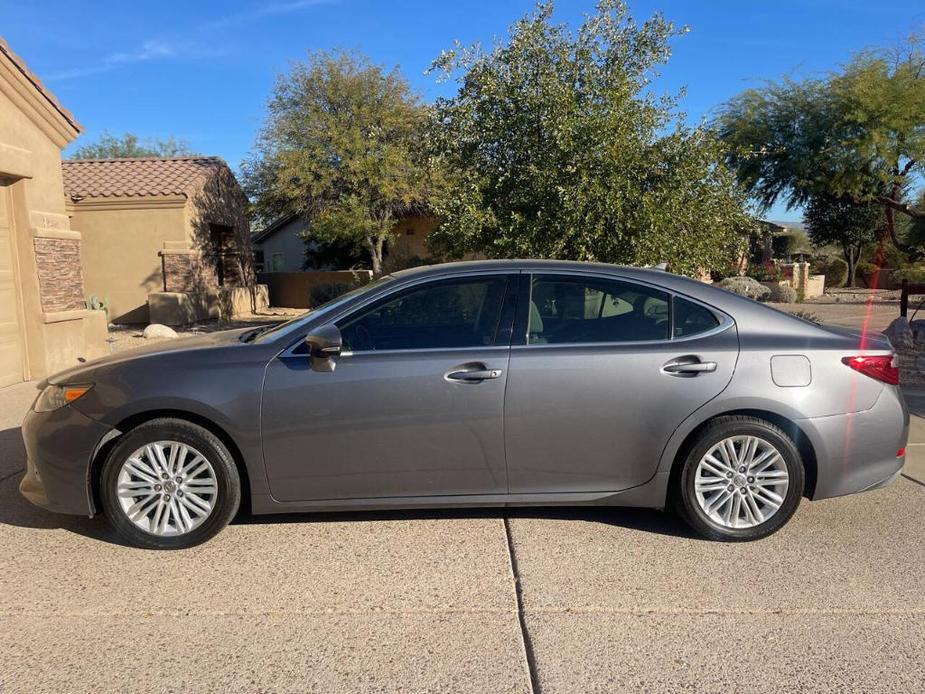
(749,315)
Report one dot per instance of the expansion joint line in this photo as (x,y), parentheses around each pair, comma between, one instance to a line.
(525,642)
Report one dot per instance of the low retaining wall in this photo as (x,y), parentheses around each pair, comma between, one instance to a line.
(311,288)
(181,308)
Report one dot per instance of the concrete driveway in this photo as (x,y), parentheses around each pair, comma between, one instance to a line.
(569,601)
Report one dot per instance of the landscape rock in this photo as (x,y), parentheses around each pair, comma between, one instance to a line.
(900,334)
(156,330)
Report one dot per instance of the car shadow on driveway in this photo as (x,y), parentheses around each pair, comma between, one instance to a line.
(644,520)
(17,511)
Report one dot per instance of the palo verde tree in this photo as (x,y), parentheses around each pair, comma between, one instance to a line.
(559,148)
(857,134)
(341,145)
(843,222)
(129,145)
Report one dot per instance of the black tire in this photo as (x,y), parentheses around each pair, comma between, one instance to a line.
(228,483)
(685,499)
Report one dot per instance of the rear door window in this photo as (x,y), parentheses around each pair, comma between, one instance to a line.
(571,309)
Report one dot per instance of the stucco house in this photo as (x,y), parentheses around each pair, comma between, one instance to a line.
(44,323)
(155,229)
(279,247)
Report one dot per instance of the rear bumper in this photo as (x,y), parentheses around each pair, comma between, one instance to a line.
(857,452)
(59,448)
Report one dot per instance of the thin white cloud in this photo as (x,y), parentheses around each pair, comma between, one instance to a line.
(164,49)
(152,49)
(265,10)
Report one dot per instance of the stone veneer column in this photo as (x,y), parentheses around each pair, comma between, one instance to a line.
(57,261)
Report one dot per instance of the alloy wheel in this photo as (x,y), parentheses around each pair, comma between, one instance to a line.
(167,488)
(741,482)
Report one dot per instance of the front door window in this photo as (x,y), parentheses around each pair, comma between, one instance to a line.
(450,314)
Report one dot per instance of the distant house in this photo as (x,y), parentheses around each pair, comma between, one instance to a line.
(175,225)
(281,246)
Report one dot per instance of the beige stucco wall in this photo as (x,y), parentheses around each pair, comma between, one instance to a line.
(411,236)
(32,133)
(122,240)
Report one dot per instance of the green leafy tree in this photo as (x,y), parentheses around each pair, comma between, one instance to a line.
(129,145)
(843,222)
(857,134)
(559,148)
(342,146)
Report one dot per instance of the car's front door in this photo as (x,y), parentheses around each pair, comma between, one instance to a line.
(413,407)
(606,372)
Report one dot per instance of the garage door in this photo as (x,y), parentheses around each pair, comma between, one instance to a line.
(11,353)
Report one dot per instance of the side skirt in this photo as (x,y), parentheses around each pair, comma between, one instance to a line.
(648,495)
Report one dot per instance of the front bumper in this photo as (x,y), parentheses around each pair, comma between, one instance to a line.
(857,452)
(59,449)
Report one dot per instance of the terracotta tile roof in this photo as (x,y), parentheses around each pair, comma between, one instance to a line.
(109,178)
(37,83)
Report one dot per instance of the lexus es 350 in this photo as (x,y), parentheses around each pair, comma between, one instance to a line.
(507,383)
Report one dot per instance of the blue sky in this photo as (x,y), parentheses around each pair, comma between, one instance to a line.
(203,70)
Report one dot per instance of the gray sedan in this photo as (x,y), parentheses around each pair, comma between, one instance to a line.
(509,383)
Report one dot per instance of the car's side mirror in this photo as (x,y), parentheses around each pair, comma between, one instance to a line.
(324,344)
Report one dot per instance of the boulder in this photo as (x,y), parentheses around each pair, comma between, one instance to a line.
(900,335)
(156,330)
(918,333)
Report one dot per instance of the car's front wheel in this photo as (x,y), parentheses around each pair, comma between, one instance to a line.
(169,484)
(742,480)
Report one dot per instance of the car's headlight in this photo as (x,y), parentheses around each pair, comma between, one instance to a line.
(55,397)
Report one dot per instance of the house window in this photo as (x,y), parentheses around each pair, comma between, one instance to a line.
(258,260)
(221,238)
(278,263)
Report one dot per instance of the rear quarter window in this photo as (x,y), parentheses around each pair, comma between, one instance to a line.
(692,319)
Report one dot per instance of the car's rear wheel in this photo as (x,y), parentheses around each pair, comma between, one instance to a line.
(169,484)
(742,480)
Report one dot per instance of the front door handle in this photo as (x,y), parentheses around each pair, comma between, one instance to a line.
(689,367)
(473,375)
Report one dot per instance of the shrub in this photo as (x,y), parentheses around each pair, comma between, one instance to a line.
(784,245)
(95,303)
(783,294)
(806,315)
(747,287)
(768,272)
(865,273)
(835,270)
(913,274)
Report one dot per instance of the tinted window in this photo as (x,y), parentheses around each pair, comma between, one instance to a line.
(690,318)
(587,309)
(447,314)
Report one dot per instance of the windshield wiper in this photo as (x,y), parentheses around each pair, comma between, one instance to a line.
(251,335)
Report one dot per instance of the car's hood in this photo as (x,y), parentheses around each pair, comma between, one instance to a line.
(183,344)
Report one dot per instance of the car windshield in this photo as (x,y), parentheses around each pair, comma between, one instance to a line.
(323,308)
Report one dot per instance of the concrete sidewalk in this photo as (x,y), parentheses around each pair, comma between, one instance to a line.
(571,600)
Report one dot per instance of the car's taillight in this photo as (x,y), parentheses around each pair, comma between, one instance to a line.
(883,368)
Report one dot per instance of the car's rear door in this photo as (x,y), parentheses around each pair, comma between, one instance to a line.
(414,406)
(602,371)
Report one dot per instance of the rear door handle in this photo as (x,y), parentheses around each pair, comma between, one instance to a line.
(689,368)
(473,375)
